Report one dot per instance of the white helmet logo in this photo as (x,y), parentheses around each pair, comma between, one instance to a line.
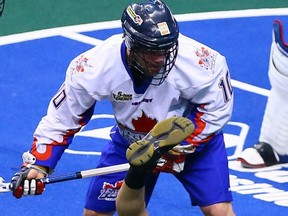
(163,27)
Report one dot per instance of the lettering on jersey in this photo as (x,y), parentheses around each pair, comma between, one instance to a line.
(81,63)
(226,87)
(120,96)
(207,59)
(143,101)
(59,98)
(142,126)
(135,17)
(109,191)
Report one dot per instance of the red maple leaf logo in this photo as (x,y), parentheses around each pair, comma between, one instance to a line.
(144,124)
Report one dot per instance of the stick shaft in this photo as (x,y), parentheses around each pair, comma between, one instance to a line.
(105,170)
(87,173)
(4,187)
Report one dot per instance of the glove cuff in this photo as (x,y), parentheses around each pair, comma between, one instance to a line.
(29,161)
(40,169)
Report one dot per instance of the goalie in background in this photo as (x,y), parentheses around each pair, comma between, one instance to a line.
(272,147)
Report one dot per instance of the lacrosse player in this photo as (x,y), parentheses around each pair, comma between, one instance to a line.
(156,79)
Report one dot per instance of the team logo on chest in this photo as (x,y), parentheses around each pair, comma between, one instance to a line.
(142,125)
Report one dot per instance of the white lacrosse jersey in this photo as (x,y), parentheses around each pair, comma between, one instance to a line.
(197,87)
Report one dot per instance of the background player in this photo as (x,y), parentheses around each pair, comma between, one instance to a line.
(272,147)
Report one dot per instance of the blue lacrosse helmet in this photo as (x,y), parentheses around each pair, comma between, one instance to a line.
(150,26)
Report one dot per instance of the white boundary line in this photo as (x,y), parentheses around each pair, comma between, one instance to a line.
(15,38)
(250,88)
(74,32)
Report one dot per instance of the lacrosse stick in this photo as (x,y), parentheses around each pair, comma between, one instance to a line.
(4,187)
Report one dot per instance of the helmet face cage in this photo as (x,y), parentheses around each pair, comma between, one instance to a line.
(142,69)
(151,27)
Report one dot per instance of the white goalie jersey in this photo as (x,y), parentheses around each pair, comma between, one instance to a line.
(197,87)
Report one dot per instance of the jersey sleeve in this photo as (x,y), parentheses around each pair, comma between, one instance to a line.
(89,78)
(212,105)
(70,109)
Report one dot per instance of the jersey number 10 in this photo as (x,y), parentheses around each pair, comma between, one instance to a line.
(226,87)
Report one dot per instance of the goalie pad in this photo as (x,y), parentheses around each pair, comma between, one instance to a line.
(274,128)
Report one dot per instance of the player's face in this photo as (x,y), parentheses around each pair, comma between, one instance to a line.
(151,61)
